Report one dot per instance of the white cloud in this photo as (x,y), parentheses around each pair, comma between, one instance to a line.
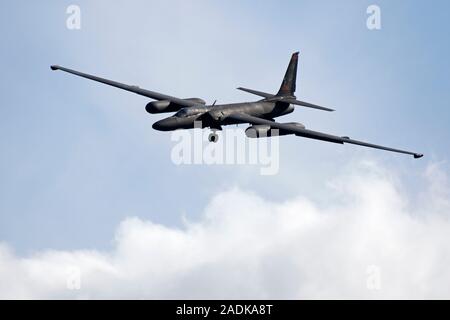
(247,247)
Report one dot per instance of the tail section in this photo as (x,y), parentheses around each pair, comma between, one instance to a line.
(290,78)
(287,89)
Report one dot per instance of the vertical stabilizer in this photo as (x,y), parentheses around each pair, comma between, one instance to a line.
(288,85)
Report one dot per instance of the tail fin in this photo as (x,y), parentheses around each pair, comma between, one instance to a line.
(288,85)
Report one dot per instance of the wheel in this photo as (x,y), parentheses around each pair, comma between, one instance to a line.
(213,137)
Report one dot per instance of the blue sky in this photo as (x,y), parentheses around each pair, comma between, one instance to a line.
(79,157)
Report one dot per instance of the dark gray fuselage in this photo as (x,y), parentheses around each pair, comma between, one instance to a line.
(214,116)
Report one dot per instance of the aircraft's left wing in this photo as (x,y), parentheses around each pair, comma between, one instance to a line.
(134,89)
(298,131)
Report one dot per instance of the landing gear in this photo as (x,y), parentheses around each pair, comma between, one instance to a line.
(213,137)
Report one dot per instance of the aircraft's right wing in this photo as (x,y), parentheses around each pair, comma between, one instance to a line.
(134,89)
(298,131)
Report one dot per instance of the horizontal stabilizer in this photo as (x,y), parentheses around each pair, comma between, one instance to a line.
(299,103)
(256,92)
(291,100)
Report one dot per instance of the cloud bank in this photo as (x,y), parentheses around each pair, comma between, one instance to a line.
(372,240)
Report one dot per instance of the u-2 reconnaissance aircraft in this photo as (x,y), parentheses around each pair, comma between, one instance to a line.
(259,114)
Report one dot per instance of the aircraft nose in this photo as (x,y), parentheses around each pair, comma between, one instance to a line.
(166,124)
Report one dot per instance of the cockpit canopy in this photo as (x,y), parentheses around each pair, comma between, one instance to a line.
(190,111)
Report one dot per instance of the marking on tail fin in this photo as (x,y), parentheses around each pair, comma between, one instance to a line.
(288,86)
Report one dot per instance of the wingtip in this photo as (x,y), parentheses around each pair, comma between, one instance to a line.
(54,67)
(296,53)
(418,155)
